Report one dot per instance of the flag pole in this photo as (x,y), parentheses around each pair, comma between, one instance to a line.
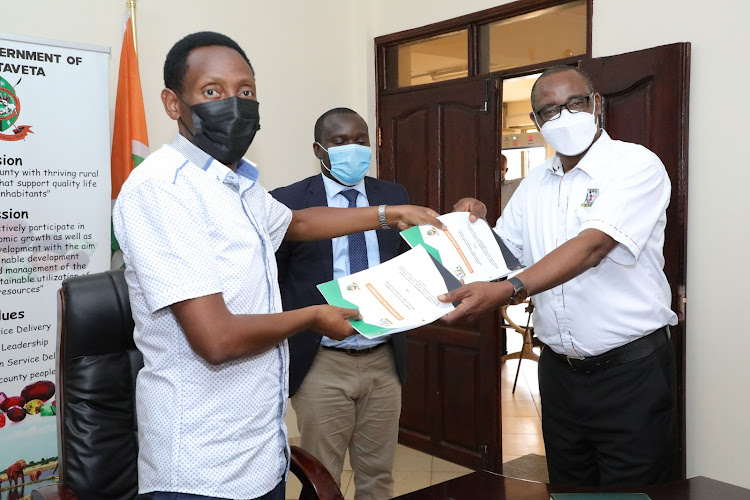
(131,5)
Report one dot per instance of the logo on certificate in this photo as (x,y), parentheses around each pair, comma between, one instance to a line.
(432,231)
(384,322)
(591,196)
(352,286)
(459,272)
(10,108)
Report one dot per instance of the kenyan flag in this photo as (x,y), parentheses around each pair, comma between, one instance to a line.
(130,139)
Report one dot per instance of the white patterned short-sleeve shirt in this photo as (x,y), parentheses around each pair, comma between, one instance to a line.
(189,227)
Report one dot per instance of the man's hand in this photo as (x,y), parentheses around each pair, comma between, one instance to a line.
(331,321)
(476,209)
(476,299)
(406,216)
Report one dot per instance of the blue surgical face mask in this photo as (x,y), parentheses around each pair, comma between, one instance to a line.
(349,163)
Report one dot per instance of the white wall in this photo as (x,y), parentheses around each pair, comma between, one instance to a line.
(311,56)
(718,398)
(303,54)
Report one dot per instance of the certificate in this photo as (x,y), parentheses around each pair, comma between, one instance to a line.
(395,296)
(471,251)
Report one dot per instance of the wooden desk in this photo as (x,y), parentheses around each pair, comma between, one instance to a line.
(486,485)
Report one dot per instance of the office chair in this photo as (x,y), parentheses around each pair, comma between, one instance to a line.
(97,364)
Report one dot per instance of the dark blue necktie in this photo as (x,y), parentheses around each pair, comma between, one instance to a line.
(357,244)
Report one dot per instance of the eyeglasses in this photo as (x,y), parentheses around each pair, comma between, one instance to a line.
(575,105)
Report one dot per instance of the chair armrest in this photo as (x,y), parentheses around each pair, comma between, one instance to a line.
(53,492)
(317,482)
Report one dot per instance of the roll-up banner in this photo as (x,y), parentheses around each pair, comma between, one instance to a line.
(54,223)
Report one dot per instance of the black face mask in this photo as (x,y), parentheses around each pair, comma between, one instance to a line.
(225,128)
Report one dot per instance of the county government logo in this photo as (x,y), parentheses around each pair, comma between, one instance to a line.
(10,108)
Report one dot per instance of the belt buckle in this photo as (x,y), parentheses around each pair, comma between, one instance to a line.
(570,362)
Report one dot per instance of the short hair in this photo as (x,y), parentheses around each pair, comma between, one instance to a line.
(175,66)
(335,111)
(559,69)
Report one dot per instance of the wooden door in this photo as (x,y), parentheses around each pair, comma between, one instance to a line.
(645,100)
(442,144)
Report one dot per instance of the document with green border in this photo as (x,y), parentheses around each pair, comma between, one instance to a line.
(395,296)
(471,251)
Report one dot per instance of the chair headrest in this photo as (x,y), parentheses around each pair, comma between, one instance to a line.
(97,307)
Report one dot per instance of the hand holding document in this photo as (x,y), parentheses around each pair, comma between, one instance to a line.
(401,294)
(397,295)
(471,251)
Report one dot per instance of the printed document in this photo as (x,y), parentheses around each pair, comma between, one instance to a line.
(395,296)
(471,251)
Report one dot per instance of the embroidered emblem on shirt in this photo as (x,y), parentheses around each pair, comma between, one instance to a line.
(591,197)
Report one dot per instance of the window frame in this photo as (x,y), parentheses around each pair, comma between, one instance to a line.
(472,23)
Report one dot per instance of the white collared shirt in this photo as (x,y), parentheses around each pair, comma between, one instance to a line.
(623,190)
(190,227)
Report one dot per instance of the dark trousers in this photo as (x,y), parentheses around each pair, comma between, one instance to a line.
(277,493)
(610,427)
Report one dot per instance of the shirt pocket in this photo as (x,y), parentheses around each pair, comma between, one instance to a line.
(579,216)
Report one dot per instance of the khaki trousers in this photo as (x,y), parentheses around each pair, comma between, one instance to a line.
(352,402)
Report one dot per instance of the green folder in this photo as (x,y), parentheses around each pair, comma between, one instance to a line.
(331,291)
(599,496)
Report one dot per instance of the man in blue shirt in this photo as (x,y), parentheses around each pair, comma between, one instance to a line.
(347,394)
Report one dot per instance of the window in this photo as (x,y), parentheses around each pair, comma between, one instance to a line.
(518,37)
(434,59)
(544,35)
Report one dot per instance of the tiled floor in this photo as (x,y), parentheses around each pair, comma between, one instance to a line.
(412,470)
(522,434)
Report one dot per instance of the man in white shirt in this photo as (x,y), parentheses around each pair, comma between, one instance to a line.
(198,234)
(589,226)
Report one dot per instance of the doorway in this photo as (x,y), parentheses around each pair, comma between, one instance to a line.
(522,148)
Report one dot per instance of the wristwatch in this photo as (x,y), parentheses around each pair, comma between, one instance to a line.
(520,293)
(381,217)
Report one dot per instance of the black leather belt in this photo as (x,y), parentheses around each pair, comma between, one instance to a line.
(355,352)
(637,349)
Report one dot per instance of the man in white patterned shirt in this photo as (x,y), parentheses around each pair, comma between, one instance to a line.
(198,234)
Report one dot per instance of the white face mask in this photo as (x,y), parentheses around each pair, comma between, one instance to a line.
(572,133)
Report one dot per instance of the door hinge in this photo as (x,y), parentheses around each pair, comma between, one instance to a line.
(682,301)
(380,137)
(485,451)
(486,96)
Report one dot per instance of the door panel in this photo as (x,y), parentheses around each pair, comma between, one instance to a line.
(462,148)
(412,151)
(441,144)
(414,408)
(460,372)
(630,106)
(645,100)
